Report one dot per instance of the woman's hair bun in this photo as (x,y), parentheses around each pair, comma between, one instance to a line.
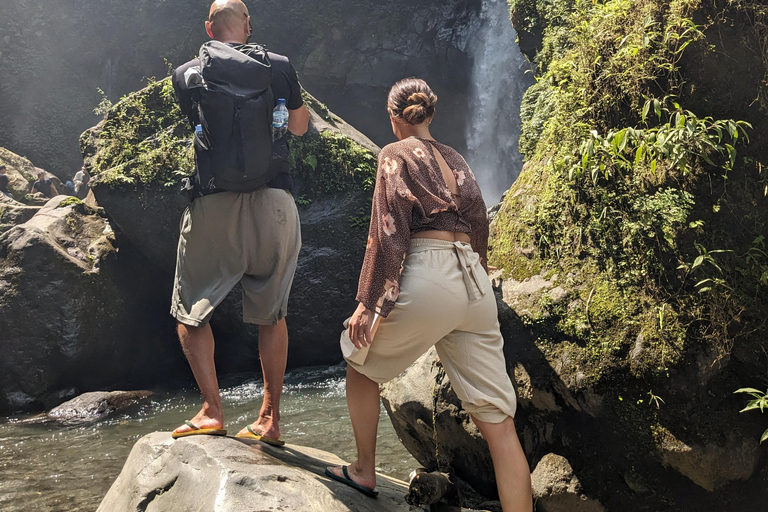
(412,100)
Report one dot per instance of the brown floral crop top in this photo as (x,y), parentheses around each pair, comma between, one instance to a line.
(411,196)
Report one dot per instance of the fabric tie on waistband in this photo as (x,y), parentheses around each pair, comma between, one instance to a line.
(468,260)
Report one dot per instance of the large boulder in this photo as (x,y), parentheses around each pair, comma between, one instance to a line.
(73,311)
(22,174)
(556,489)
(224,473)
(13,213)
(138,155)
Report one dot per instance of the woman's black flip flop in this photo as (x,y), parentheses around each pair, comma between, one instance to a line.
(347,480)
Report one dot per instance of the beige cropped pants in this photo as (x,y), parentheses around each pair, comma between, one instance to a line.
(446,300)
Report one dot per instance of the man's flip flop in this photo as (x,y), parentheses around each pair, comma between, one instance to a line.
(347,480)
(255,435)
(197,431)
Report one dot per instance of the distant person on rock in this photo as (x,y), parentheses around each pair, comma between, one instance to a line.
(423,284)
(243,225)
(82,177)
(44,186)
(4,181)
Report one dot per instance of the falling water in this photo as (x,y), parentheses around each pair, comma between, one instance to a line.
(499,80)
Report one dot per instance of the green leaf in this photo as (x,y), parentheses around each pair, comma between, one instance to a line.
(646,109)
(764,436)
(698,261)
(639,154)
(731,155)
(657,108)
(748,390)
(621,140)
(752,405)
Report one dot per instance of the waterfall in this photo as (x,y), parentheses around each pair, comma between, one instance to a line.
(498,82)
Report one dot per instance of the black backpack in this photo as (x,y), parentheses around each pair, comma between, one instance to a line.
(233,106)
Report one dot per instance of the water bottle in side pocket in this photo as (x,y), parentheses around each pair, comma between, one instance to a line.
(279,120)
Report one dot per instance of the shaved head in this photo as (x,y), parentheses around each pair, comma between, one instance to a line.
(228,20)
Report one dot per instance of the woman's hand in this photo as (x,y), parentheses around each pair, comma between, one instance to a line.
(360,326)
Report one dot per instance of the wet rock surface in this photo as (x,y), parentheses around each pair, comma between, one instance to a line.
(13,213)
(95,405)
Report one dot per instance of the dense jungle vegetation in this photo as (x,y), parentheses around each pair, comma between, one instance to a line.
(644,192)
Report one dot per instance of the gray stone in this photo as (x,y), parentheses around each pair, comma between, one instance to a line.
(557,489)
(93,406)
(711,465)
(13,213)
(19,171)
(73,309)
(233,475)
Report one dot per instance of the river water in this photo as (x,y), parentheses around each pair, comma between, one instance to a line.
(51,468)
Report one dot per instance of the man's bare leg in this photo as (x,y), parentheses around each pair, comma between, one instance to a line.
(273,352)
(198,345)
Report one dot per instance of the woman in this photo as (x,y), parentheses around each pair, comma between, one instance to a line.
(424,274)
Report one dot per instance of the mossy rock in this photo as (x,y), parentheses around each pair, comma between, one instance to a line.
(138,156)
(634,298)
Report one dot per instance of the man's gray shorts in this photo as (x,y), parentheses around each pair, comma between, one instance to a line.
(252,238)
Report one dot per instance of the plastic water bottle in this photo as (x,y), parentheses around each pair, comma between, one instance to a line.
(279,120)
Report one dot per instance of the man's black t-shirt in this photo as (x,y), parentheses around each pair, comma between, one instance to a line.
(285,85)
(4,183)
(43,186)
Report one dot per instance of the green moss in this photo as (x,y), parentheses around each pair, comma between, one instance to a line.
(320,108)
(70,201)
(631,232)
(78,206)
(143,139)
(332,164)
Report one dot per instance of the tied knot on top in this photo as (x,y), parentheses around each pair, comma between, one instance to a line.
(469,259)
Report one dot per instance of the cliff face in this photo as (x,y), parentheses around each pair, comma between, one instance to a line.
(633,243)
(55,59)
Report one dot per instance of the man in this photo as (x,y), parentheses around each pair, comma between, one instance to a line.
(44,186)
(250,237)
(82,177)
(4,181)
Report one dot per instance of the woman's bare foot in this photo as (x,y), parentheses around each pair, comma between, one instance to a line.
(360,477)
